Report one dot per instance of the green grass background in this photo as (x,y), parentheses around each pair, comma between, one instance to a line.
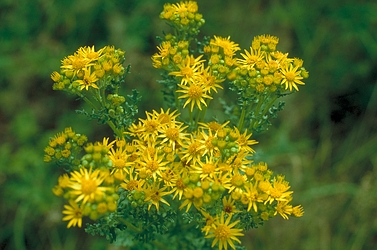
(325,140)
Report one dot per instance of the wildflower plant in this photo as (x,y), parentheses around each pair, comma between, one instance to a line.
(176,177)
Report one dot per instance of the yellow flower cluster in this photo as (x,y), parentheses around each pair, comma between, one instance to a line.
(88,68)
(91,189)
(266,69)
(167,160)
(64,146)
(184,17)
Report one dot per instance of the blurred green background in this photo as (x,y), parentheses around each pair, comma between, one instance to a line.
(325,140)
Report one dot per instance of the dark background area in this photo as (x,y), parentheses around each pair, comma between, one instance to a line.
(325,140)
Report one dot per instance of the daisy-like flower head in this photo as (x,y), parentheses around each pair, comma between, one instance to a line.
(90,53)
(73,214)
(88,80)
(195,94)
(86,185)
(250,59)
(173,134)
(209,81)
(188,69)
(229,47)
(291,77)
(228,206)
(224,232)
(154,194)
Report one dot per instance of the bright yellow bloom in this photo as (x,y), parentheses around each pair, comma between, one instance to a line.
(251,197)
(224,232)
(153,164)
(228,206)
(173,134)
(86,185)
(291,77)
(229,47)
(155,194)
(90,53)
(89,80)
(284,209)
(250,58)
(209,81)
(73,213)
(188,69)
(195,94)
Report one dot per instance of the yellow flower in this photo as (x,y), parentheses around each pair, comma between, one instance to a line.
(251,197)
(192,151)
(153,164)
(188,69)
(90,53)
(119,158)
(89,80)
(228,206)
(298,211)
(224,232)
(75,64)
(155,194)
(209,81)
(284,209)
(291,77)
(208,169)
(250,58)
(173,134)
(229,47)
(195,94)
(73,213)
(86,185)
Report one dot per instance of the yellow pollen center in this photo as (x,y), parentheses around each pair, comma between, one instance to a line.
(237,181)
(88,186)
(187,71)
(78,64)
(208,168)
(152,165)
(222,232)
(132,185)
(151,126)
(195,92)
(172,134)
(180,185)
(119,163)
(290,76)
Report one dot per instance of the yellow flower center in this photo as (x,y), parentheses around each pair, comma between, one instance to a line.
(290,76)
(187,72)
(222,232)
(208,168)
(88,186)
(132,185)
(237,180)
(152,165)
(275,193)
(172,134)
(195,92)
(193,148)
(78,63)
(179,184)
(119,163)
(151,126)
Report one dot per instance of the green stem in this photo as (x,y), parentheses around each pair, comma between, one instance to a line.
(130,226)
(242,117)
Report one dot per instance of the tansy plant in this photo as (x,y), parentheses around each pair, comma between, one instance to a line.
(175,178)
